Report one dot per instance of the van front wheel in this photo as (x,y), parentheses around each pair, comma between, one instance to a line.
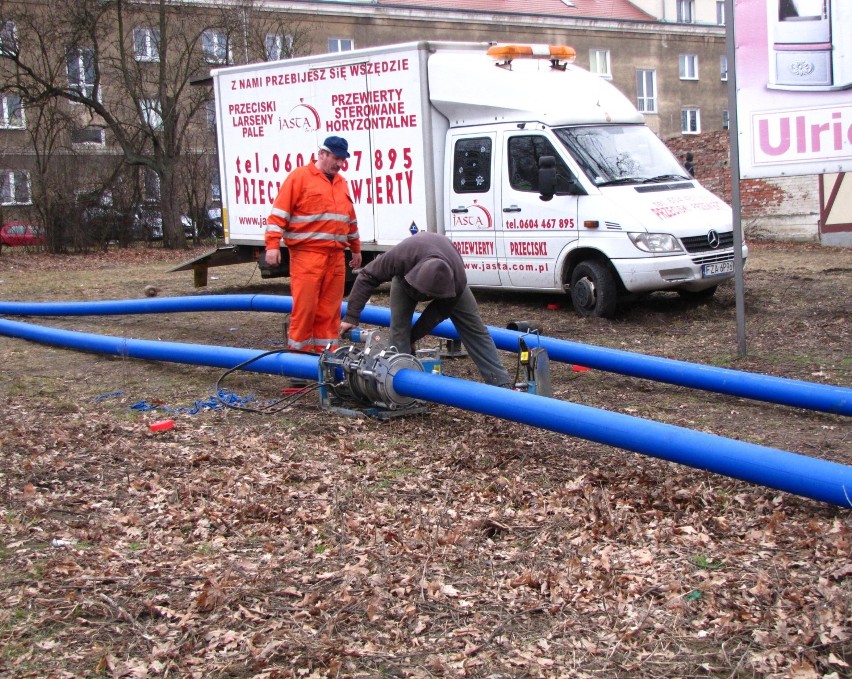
(593,289)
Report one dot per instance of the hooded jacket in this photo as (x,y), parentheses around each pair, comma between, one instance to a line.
(431,268)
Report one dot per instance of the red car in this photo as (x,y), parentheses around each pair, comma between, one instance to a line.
(16,233)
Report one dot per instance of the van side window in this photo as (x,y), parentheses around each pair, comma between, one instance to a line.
(472,165)
(523,154)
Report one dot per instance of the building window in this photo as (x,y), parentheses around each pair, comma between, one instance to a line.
(723,67)
(472,165)
(150,186)
(599,63)
(278,46)
(686,11)
(146,44)
(720,12)
(646,90)
(8,38)
(690,121)
(688,67)
(15,187)
(152,114)
(726,120)
(12,112)
(340,44)
(215,46)
(88,135)
(81,70)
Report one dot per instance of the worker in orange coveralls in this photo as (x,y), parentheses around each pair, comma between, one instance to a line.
(314,215)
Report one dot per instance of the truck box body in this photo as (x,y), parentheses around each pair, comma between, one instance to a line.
(445,137)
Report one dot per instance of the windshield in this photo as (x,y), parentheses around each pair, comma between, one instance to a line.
(621,154)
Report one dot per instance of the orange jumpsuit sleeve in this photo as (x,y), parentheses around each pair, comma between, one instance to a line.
(282,209)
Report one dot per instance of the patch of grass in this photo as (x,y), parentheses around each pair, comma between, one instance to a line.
(401,472)
(705,563)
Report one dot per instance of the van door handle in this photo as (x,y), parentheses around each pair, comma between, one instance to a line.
(458,210)
(512,208)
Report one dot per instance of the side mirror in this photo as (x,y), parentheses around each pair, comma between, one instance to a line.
(546,177)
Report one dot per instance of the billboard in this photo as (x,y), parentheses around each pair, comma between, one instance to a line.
(793,61)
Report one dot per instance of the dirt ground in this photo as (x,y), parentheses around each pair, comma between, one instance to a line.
(304,543)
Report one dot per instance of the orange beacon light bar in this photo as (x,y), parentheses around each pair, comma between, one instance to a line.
(553,52)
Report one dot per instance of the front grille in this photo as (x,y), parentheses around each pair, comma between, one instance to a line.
(702,244)
(709,259)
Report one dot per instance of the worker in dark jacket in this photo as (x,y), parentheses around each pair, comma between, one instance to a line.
(427,268)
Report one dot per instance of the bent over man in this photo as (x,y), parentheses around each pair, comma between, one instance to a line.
(427,267)
(314,215)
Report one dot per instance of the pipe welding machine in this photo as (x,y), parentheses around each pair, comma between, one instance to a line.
(365,376)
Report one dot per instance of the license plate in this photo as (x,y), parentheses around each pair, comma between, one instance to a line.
(716,269)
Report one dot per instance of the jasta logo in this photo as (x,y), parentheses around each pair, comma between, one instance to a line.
(302,117)
(477,217)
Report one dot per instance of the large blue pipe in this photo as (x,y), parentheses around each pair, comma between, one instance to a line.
(809,477)
(295,364)
(154,305)
(800,394)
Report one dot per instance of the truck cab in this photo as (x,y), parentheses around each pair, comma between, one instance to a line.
(601,212)
(579,198)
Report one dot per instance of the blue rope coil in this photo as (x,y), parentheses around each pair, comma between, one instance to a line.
(225,398)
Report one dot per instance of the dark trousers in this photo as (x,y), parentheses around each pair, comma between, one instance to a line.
(467,321)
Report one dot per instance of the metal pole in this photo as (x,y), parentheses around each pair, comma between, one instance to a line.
(736,204)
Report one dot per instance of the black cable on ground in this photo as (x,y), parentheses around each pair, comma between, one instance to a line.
(273,407)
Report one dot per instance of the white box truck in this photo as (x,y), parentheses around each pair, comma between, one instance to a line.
(542,174)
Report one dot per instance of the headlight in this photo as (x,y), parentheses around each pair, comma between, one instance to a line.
(655,242)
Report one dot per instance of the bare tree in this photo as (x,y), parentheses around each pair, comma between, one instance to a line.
(270,36)
(54,170)
(127,65)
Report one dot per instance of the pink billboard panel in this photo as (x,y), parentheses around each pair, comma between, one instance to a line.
(794,86)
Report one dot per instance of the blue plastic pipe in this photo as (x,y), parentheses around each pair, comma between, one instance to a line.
(294,364)
(153,305)
(797,393)
(809,477)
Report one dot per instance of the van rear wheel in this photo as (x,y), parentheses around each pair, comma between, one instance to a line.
(593,289)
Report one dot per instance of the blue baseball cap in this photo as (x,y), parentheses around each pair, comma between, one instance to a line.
(337,146)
